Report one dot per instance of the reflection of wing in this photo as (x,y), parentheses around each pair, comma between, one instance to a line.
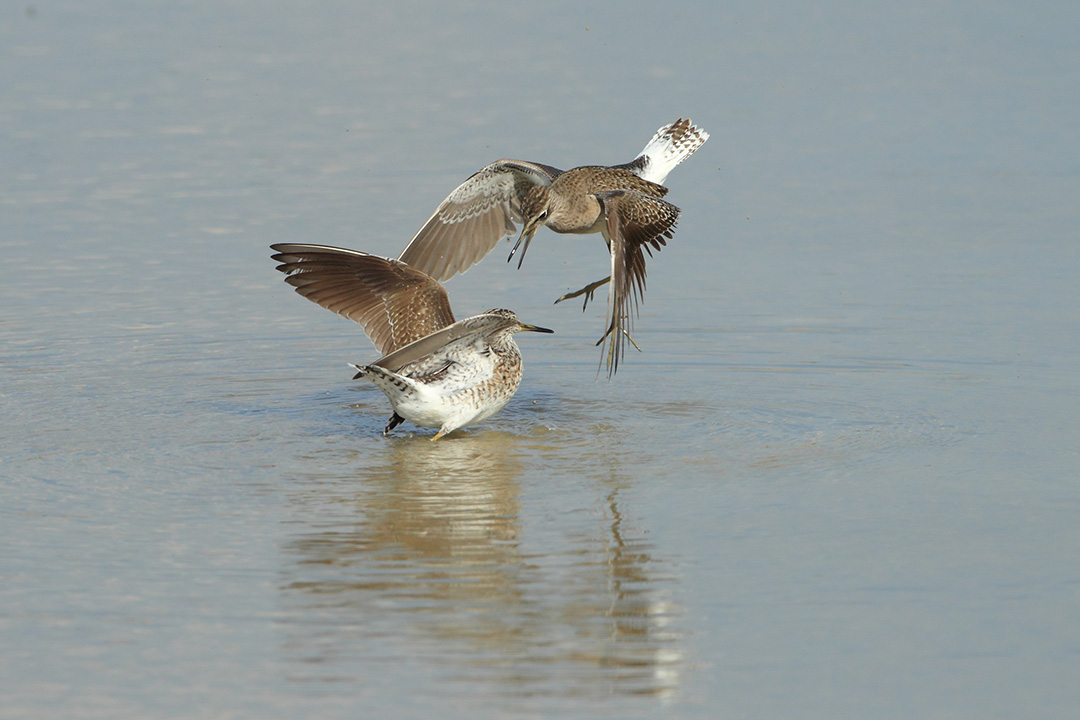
(396,304)
(669,146)
(634,221)
(486,324)
(475,216)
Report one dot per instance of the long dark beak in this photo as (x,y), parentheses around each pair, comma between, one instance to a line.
(527,233)
(536,328)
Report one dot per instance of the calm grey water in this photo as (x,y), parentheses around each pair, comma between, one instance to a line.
(841,479)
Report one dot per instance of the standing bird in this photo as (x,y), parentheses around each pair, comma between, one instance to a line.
(436,372)
(622,202)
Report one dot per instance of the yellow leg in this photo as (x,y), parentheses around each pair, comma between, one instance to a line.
(611,349)
(624,332)
(587,291)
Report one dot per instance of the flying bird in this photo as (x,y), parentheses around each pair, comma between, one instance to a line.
(621,202)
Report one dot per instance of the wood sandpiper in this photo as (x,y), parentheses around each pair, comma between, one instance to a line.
(436,372)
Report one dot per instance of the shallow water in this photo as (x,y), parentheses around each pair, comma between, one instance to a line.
(840,479)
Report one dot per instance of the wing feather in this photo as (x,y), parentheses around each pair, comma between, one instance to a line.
(474,217)
(417,350)
(394,303)
(634,221)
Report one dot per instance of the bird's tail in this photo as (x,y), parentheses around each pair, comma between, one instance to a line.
(669,146)
(391,383)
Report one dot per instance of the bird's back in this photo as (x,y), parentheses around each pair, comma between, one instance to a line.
(591,179)
(482,347)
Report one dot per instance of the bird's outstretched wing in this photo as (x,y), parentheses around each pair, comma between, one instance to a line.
(474,217)
(396,304)
(634,221)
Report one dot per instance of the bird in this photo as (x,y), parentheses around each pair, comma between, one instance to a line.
(622,202)
(436,372)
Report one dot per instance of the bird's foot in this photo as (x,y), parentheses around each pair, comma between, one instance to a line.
(587,291)
(624,332)
(392,423)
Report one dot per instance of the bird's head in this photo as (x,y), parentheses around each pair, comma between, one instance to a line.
(513,323)
(534,213)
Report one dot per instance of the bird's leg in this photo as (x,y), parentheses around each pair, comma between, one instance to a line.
(612,351)
(623,330)
(394,421)
(587,291)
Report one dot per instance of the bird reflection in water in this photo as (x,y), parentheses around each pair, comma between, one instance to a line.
(427,544)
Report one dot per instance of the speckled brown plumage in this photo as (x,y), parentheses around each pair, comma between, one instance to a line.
(396,304)
(435,371)
(484,208)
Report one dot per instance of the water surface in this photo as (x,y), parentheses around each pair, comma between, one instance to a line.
(840,479)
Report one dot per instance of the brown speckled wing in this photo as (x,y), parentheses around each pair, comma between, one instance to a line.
(634,221)
(396,304)
(474,217)
(484,325)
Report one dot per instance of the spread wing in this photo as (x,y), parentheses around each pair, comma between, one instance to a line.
(634,221)
(395,304)
(474,217)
